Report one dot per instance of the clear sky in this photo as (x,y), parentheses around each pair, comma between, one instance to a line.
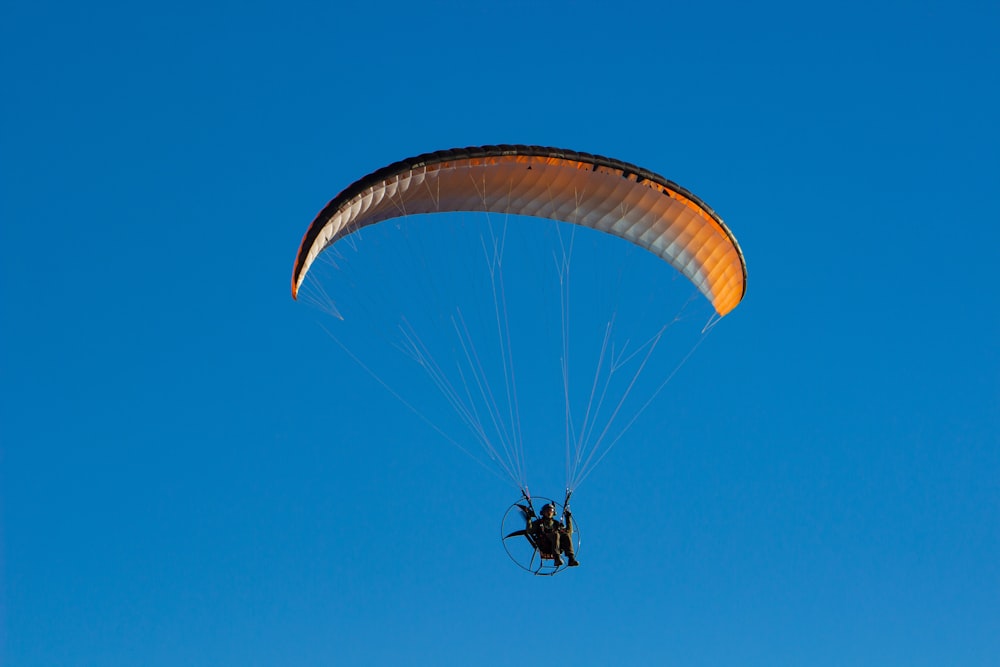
(193,473)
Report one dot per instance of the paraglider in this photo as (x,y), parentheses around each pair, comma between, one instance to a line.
(586,191)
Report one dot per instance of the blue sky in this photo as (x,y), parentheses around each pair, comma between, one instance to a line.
(193,474)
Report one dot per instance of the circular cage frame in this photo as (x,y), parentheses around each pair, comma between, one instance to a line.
(519,549)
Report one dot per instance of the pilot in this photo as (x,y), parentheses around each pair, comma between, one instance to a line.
(552,537)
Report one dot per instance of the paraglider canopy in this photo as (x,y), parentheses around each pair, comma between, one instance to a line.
(598,192)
